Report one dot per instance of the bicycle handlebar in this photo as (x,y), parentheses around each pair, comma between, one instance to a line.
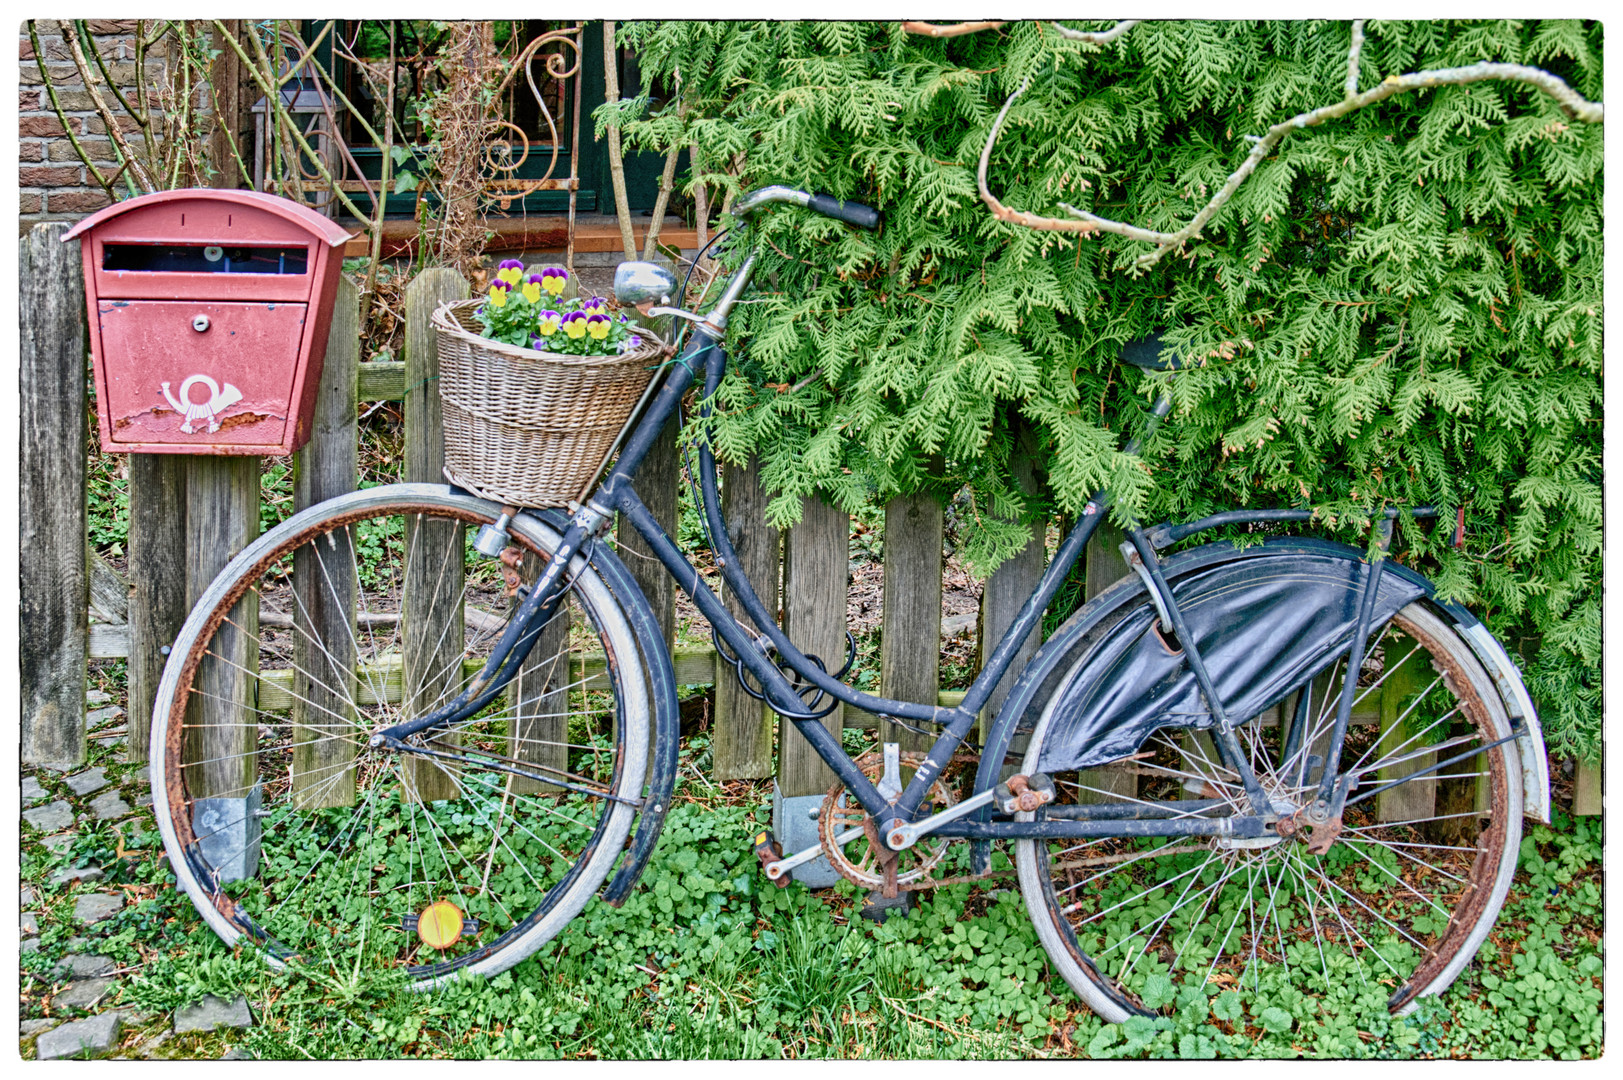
(863,217)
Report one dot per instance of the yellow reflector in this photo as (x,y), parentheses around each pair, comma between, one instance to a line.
(440,925)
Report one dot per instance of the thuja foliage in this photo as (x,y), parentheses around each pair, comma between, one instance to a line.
(1401,306)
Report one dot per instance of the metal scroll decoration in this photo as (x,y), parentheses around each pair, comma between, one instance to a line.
(511,148)
(506,152)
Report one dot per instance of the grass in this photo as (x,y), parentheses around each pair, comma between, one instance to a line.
(707,960)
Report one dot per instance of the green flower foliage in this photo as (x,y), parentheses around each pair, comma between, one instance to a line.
(1400,306)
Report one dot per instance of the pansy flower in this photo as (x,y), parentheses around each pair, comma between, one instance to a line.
(598,326)
(547,323)
(632,342)
(498,293)
(510,270)
(574,324)
(553,279)
(593,303)
(532,288)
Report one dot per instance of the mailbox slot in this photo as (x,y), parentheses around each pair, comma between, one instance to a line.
(204,259)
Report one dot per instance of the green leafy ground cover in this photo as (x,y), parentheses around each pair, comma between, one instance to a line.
(707,960)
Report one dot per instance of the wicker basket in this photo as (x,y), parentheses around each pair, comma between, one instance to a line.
(529,428)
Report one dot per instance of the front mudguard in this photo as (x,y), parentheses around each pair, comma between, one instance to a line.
(1051,667)
(661,687)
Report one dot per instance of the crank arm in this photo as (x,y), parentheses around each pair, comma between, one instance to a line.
(905,836)
(419,751)
(776,870)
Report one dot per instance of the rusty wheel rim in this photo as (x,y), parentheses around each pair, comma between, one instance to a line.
(496,842)
(1407,893)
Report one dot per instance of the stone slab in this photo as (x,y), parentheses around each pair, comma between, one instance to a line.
(59,843)
(102,716)
(213,1012)
(51,817)
(89,781)
(30,924)
(33,790)
(84,966)
(68,874)
(94,907)
(29,945)
(110,806)
(83,993)
(33,1027)
(94,1036)
(97,697)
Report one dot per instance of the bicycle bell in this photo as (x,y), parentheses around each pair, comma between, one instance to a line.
(643,284)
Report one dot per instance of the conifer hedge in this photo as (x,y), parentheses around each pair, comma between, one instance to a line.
(1401,306)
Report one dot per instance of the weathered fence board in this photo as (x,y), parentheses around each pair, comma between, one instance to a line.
(539,698)
(910,632)
(54,608)
(1008,588)
(741,743)
(1418,798)
(1104,566)
(1586,789)
(222,518)
(815,570)
(432,636)
(324,578)
(658,478)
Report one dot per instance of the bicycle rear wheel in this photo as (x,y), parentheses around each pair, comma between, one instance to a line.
(290,832)
(1402,900)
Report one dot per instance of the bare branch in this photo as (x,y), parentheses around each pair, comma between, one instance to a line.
(1083,222)
(1096,37)
(946,30)
(1003,213)
(89,43)
(137,169)
(273,99)
(105,182)
(1352,57)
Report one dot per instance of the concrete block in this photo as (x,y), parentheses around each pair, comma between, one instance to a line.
(794,825)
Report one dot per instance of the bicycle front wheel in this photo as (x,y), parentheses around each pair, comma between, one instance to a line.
(1400,902)
(462,855)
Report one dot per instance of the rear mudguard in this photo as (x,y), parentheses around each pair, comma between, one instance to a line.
(661,686)
(1131,685)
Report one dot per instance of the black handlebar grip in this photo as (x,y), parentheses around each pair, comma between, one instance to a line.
(863,217)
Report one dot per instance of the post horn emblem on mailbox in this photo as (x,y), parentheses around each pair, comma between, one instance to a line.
(219,399)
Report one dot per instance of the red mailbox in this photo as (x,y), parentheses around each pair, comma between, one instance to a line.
(208,320)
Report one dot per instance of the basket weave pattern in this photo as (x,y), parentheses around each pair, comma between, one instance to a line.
(529,428)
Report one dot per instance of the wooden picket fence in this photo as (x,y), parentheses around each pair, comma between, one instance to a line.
(190,514)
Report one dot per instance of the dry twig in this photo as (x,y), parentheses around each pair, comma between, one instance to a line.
(1083,222)
(946,30)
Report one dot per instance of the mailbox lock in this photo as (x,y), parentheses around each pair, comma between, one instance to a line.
(200,323)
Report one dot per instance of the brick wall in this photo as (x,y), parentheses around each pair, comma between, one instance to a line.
(53,181)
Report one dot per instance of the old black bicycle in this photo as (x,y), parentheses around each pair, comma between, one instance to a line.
(442,803)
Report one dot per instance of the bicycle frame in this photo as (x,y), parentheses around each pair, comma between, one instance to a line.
(618,495)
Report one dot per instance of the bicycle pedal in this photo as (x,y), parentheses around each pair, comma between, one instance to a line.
(767,852)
